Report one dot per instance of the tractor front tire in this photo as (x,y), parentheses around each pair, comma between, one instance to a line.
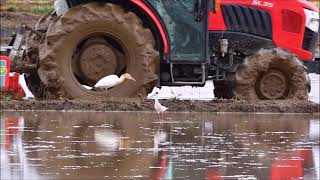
(115,27)
(272,74)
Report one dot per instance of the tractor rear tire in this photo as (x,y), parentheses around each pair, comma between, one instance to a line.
(272,74)
(86,21)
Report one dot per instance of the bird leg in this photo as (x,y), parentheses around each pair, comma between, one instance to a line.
(161,124)
(161,115)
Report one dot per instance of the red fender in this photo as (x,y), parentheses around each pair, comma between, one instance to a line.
(155,19)
(10,130)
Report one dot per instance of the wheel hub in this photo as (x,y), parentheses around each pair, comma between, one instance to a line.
(97,61)
(273,85)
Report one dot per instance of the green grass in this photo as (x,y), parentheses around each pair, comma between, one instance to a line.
(39,2)
(38,10)
(32,6)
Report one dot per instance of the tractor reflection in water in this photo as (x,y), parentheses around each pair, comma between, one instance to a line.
(185,145)
(14,161)
(109,145)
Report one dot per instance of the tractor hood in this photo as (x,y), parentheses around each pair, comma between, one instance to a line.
(308,5)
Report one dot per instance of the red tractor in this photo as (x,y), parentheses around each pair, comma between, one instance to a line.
(250,49)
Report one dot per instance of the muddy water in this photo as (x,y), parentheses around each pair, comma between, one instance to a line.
(119,145)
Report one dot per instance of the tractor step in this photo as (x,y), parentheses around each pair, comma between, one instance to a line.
(313,66)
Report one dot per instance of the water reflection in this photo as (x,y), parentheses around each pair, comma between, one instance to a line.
(43,145)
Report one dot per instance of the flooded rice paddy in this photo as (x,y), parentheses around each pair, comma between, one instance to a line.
(128,145)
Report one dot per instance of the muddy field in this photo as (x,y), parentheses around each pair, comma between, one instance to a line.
(12,19)
(173,105)
(9,20)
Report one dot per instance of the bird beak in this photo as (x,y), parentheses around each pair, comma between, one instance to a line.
(132,79)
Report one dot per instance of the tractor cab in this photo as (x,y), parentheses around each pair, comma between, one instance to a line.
(186,24)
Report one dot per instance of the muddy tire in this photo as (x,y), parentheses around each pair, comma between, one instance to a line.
(272,74)
(31,55)
(83,25)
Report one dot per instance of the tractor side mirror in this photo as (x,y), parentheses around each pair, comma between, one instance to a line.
(198,10)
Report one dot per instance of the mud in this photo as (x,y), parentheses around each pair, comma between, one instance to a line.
(173,105)
(10,20)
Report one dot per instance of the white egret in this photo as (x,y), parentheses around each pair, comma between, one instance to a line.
(158,107)
(112,80)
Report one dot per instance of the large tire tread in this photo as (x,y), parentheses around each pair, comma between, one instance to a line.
(49,71)
(264,60)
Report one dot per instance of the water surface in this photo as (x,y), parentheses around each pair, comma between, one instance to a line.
(120,145)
